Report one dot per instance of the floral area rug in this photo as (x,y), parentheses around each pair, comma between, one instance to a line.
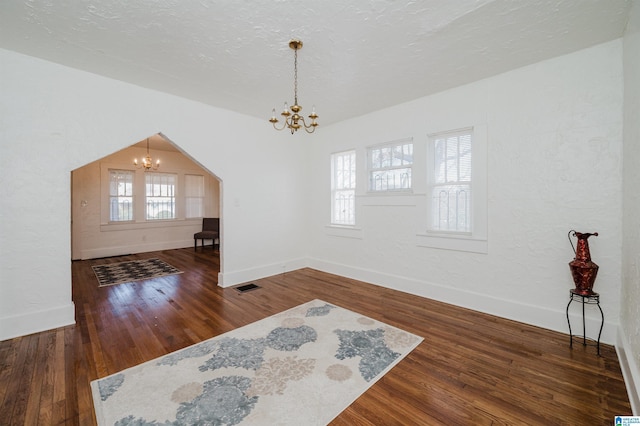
(133,270)
(302,366)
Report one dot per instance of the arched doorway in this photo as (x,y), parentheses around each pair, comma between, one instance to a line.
(113,214)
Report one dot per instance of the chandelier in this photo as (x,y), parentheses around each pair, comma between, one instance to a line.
(292,119)
(147,162)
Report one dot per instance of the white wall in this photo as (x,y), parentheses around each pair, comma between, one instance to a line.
(629,336)
(92,234)
(56,119)
(555,142)
(554,158)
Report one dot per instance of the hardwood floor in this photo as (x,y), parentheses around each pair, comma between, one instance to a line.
(471,369)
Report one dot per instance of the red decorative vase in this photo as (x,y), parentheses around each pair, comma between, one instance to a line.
(583,270)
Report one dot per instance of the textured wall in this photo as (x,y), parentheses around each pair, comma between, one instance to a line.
(554,159)
(630,303)
(555,141)
(58,119)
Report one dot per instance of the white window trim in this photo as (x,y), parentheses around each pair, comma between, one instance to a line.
(477,242)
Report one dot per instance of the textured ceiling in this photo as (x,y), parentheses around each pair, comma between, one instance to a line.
(358,56)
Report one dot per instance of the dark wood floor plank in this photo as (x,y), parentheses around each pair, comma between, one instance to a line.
(471,368)
(40,405)
(25,374)
(16,351)
(8,363)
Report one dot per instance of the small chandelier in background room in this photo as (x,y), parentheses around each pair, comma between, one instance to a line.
(292,119)
(147,162)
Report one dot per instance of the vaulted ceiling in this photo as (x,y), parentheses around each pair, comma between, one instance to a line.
(358,56)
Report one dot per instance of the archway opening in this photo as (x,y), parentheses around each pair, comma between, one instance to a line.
(118,208)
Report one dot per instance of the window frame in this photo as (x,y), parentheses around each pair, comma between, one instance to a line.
(117,195)
(446,182)
(476,240)
(351,188)
(391,168)
(168,195)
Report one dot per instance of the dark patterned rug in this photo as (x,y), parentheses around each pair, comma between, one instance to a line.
(132,270)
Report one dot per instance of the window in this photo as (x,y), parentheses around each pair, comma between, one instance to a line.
(390,166)
(343,188)
(135,199)
(160,195)
(456,208)
(121,195)
(449,186)
(194,196)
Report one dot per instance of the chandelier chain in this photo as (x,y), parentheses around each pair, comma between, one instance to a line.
(295,77)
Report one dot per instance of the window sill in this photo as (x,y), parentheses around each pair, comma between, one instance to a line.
(453,242)
(390,192)
(344,231)
(128,226)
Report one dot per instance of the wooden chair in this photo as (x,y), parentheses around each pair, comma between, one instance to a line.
(210,231)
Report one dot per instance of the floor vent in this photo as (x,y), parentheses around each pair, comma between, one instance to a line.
(247,287)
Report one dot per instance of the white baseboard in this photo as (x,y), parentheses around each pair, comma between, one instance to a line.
(228,279)
(549,318)
(630,371)
(131,249)
(35,322)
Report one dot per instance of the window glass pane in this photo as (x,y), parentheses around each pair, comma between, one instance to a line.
(343,185)
(450,183)
(451,208)
(397,156)
(452,160)
(344,207)
(376,160)
(386,157)
(407,151)
(194,196)
(391,179)
(439,160)
(402,155)
(160,196)
(465,158)
(121,195)
(390,167)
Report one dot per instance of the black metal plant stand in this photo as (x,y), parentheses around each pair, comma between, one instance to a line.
(585,299)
